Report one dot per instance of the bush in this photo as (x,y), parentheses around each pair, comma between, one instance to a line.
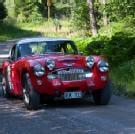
(120,48)
(82,44)
(3,11)
(97,45)
(117,49)
(123,78)
(93,45)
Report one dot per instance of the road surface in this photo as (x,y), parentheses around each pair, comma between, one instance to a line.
(80,117)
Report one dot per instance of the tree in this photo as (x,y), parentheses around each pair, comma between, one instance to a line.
(44,2)
(93,21)
(49,3)
(118,10)
(81,19)
(3,11)
(105,19)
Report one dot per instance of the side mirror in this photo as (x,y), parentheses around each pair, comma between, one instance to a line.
(10,59)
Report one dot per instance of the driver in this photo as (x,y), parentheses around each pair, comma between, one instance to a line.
(25,50)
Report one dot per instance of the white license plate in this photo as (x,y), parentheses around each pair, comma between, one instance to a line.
(72,95)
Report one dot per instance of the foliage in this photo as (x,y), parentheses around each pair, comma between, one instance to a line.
(30,12)
(118,10)
(62,10)
(117,49)
(120,48)
(80,18)
(3,11)
(115,11)
(82,44)
(123,78)
(97,45)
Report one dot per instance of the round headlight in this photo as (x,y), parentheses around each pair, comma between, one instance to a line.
(39,70)
(90,61)
(50,64)
(103,66)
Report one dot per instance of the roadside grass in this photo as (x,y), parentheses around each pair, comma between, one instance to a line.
(123,78)
(13,30)
(8,31)
(48,28)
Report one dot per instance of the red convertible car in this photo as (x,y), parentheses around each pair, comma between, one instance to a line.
(53,68)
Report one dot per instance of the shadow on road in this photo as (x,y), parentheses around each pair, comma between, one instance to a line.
(53,104)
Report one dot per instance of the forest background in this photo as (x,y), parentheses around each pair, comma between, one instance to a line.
(99,27)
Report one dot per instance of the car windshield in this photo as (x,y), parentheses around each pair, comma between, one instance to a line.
(66,47)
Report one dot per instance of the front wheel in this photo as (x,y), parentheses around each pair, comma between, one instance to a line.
(103,96)
(30,97)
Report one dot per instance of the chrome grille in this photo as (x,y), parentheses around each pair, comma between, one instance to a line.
(71,74)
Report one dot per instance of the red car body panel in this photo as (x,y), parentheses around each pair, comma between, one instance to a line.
(43,85)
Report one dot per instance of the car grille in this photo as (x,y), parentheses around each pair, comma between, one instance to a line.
(71,74)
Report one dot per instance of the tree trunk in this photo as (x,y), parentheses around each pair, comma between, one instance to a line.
(49,13)
(93,21)
(49,2)
(105,19)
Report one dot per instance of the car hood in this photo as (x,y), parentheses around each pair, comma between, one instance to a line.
(61,60)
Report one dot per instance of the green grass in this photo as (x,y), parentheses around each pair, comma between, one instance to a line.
(113,28)
(123,78)
(48,29)
(8,31)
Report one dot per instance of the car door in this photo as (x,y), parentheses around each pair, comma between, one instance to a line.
(15,69)
(8,69)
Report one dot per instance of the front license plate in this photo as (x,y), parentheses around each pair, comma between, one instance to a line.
(72,95)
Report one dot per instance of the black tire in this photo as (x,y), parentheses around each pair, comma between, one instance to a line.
(47,99)
(103,96)
(30,97)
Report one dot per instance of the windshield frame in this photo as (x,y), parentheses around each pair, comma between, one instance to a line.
(73,46)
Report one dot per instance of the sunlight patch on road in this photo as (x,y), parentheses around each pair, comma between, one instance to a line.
(89,131)
(87,112)
(57,127)
(31,114)
(62,117)
(130,128)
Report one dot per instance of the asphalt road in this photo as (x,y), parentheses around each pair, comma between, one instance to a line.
(80,117)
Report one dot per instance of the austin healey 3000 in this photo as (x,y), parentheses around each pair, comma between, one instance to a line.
(42,67)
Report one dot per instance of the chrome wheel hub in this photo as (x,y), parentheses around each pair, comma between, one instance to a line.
(26,96)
